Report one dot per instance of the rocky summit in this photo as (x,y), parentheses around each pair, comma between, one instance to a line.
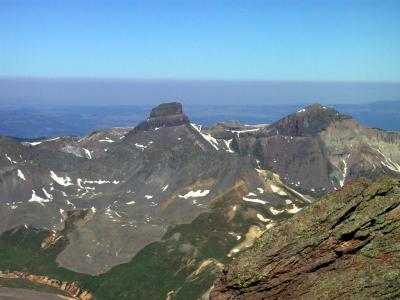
(166,109)
(318,149)
(343,246)
(166,114)
(308,121)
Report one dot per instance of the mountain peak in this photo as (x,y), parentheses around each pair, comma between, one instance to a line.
(310,120)
(166,109)
(165,114)
(317,108)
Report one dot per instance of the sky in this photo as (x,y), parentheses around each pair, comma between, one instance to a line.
(201,44)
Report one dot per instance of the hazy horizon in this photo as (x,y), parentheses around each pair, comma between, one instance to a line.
(198,52)
(55,92)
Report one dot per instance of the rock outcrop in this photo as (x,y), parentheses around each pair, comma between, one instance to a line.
(50,240)
(166,114)
(345,245)
(72,289)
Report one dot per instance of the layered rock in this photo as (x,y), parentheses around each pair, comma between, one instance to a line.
(345,245)
(72,289)
(166,114)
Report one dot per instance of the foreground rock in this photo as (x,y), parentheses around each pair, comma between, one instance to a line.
(346,245)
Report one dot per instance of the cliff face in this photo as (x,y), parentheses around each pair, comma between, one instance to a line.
(344,245)
(166,114)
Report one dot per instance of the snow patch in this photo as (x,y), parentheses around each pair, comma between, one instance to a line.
(344,173)
(278,190)
(389,163)
(195,194)
(70,203)
(262,219)
(37,199)
(88,153)
(254,200)
(238,132)
(270,225)
(99,181)
(392,166)
(47,194)
(288,201)
(107,140)
(228,145)
(11,161)
(275,211)
(213,142)
(140,146)
(293,210)
(64,181)
(40,142)
(20,174)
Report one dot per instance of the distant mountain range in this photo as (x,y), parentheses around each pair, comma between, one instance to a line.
(155,210)
(38,122)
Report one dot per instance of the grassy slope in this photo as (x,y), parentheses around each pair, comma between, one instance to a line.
(157,269)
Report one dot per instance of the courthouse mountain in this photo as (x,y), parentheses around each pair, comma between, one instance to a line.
(157,209)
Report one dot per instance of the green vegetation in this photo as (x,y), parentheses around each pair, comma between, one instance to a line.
(157,269)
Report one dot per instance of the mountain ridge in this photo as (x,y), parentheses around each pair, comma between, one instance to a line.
(197,196)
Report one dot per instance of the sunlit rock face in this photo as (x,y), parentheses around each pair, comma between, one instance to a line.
(344,245)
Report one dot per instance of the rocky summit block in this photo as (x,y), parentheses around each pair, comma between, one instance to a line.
(166,109)
(165,114)
(344,246)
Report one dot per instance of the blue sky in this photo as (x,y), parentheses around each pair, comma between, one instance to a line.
(294,40)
